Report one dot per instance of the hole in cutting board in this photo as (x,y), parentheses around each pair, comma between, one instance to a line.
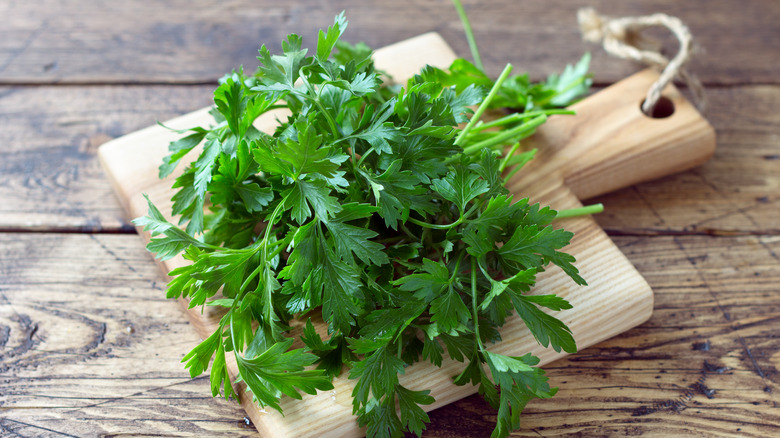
(663,108)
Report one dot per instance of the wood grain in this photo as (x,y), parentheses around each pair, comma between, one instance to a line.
(70,365)
(717,296)
(90,346)
(79,41)
(131,164)
(49,175)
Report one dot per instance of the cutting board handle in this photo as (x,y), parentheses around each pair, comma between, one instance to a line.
(611,143)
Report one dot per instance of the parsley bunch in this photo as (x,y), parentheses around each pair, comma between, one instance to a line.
(370,209)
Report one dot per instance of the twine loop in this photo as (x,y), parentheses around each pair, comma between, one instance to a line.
(623,38)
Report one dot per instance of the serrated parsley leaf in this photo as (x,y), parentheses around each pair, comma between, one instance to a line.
(427,284)
(282,69)
(378,374)
(460,187)
(396,193)
(547,329)
(352,239)
(178,149)
(326,41)
(341,288)
(448,311)
(175,240)
(230,102)
(303,194)
(278,371)
(313,340)
(306,153)
(254,197)
(528,245)
(413,417)
(572,83)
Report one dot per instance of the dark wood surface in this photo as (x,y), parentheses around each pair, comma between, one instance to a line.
(90,347)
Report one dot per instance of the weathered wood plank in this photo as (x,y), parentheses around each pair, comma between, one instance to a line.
(89,345)
(705,364)
(176,41)
(50,177)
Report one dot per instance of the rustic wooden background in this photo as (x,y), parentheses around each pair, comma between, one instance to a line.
(90,347)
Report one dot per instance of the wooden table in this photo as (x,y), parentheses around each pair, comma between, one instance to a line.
(90,347)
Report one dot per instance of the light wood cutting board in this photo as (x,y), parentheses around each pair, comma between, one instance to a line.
(608,145)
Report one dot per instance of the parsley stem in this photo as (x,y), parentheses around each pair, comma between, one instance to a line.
(508,156)
(436,226)
(511,173)
(463,217)
(517,117)
(475,312)
(277,210)
(245,284)
(517,133)
(464,19)
(457,268)
(484,105)
(277,251)
(314,97)
(581,211)
(334,129)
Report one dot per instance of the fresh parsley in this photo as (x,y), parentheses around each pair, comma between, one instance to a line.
(367,204)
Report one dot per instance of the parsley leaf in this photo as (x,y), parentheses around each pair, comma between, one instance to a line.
(278,371)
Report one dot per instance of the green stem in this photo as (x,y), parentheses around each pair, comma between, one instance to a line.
(389,240)
(475,312)
(469,34)
(457,267)
(581,211)
(334,129)
(516,133)
(261,244)
(270,225)
(509,154)
(277,251)
(409,232)
(436,226)
(245,284)
(511,173)
(463,217)
(484,105)
(517,117)
(314,97)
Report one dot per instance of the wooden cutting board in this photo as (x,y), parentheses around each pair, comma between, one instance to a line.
(608,145)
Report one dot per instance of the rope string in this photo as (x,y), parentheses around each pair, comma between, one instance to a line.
(623,38)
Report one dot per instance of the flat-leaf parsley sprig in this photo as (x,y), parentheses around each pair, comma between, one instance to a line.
(368,205)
